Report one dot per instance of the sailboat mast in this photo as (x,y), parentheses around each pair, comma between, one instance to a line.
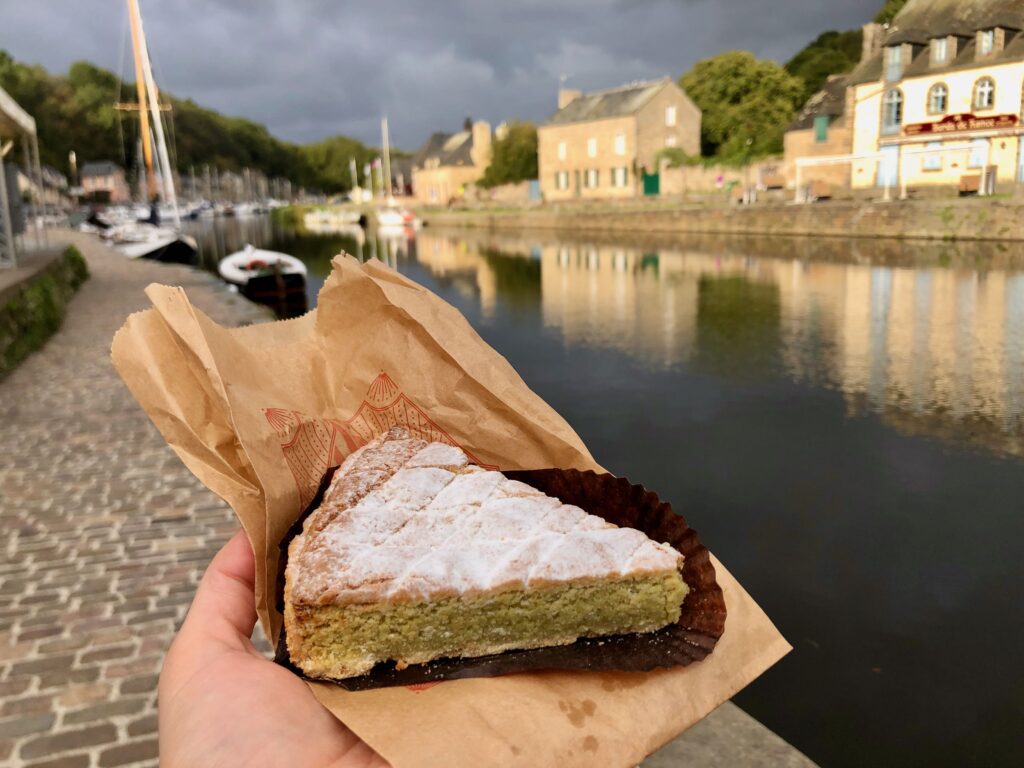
(154,107)
(387,159)
(140,87)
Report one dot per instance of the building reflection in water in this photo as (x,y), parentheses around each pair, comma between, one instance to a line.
(935,349)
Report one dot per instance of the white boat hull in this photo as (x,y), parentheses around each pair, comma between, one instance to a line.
(162,247)
(240,267)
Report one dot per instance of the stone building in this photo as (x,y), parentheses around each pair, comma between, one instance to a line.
(603,144)
(105,181)
(939,100)
(447,162)
(821,130)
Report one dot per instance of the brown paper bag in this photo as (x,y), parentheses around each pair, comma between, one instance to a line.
(259,413)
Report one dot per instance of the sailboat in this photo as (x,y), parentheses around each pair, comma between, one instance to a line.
(391,217)
(148,239)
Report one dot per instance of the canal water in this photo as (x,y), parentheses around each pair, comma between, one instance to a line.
(843,423)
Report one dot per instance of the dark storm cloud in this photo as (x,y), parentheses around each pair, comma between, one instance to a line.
(312,68)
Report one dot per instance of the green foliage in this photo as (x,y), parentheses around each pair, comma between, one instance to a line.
(738,325)
(76,112)
(34,311)
(832,53)
(677,157)
(517,277)
(330,159)
(746,104)
(889,11)
(514,157)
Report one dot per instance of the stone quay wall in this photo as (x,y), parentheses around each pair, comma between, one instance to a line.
(950,220)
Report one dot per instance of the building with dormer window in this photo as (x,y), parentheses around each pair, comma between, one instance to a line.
(938,97)
(448,162)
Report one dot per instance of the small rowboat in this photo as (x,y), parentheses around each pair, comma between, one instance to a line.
(239,268)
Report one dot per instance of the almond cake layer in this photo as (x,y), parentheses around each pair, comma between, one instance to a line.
(415,554)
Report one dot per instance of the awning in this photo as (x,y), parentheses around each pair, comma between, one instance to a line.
(13,119)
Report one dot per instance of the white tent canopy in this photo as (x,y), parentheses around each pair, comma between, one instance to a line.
(16,124)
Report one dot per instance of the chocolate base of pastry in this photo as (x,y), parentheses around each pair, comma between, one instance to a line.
(614,499)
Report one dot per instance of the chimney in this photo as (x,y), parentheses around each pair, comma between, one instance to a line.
(566,96)
(874,39)
(481,151)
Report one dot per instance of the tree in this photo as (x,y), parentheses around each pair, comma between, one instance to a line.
(832,53)
(746,104)
(513,157)
(76,112)
(327,162)
(888,13)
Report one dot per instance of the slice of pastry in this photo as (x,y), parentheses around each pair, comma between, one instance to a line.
(415,554)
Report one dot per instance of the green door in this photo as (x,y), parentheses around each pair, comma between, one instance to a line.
(652,184)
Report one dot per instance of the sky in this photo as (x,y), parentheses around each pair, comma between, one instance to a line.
(313,68)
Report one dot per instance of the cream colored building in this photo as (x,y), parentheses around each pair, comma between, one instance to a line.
(599,145)
(938,102)
(448,162)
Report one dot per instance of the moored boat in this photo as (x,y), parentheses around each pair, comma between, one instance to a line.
(397,217)
(333,220)
(242,266)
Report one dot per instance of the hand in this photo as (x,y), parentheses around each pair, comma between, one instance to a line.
(222,703)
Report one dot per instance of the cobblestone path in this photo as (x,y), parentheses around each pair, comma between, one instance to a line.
(105,532)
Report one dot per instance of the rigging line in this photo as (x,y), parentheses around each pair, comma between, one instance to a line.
(154,62)
(120,95)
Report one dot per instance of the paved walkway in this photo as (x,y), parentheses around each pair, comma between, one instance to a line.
(106,536)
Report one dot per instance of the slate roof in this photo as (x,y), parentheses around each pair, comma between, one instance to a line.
(615,102)
(448,148)
(100,168)
(830,101)
(922,20)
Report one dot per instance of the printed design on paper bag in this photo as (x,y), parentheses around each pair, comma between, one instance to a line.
(311,445)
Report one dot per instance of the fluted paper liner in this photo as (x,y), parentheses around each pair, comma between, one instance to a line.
(616,500)
(260,413)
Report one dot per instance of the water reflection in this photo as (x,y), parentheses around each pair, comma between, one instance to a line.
(930,336)
(928,346)
(762,385)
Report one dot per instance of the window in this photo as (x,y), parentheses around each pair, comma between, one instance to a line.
(893,62)
(940,50)
(592,147)
(670,116)
(561,150)
(562,180)
(938,99)
(670,140)
(590,179)
(932,160)
(620,176)
(620,144)
(985,93)
(892,112)
(821,128)
(979,154)
(986,41)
